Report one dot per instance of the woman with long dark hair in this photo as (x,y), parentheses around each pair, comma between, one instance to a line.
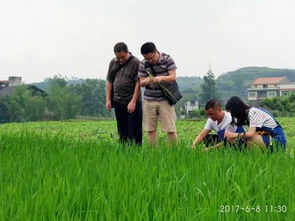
(264,129)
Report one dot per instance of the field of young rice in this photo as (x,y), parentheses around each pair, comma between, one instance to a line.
(78,171)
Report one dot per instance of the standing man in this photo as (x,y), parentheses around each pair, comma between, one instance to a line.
(123,93)
(156,106)
(219,121)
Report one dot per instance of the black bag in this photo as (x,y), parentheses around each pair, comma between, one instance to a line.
(170,90)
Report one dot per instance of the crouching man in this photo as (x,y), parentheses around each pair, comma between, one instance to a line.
(219,121)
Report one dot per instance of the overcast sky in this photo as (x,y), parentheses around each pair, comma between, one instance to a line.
(40,39)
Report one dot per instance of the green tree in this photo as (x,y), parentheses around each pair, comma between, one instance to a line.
(4,111)
(283,106)
(208,88)
(62,102)
(22,105)
(93,97)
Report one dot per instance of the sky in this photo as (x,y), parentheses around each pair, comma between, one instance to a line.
(75,38)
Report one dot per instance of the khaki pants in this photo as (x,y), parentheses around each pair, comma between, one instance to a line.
(162,110)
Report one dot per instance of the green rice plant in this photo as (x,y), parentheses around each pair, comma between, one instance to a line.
(77,171)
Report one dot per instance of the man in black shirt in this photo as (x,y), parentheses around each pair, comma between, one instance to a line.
(123,94)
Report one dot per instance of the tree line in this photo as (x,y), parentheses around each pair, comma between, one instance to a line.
(62,101)
(59,101)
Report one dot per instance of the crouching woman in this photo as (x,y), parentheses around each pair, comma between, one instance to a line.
(264,129)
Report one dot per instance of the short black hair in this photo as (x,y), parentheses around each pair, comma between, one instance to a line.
(120,47)
(213,103)
(148,47)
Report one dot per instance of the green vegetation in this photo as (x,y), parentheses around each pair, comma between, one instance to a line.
(250,73)
(22,105)
(66,99)
(60,101)
(208,89)
(281,106)
(77,170)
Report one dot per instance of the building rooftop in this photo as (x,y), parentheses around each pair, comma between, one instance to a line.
(269,80)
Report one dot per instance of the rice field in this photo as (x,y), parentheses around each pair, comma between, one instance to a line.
(77,170)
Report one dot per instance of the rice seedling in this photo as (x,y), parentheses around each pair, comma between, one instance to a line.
(78,171)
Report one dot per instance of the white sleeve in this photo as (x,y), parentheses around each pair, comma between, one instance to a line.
(208,125)
(232,127)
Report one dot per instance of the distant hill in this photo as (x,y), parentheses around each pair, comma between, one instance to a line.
(189,84)
(237,82)
(250,73)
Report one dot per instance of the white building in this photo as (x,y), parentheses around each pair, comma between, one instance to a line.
(12,81)
(190,106)
(269,87)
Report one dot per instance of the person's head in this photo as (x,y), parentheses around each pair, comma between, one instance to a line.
(238,110)
(214,110)
(121,51)
(150,52)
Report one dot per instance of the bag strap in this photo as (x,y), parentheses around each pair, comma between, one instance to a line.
(151,67)
(115,71)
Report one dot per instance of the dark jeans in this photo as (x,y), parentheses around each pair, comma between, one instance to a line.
(129,125)
(212,139)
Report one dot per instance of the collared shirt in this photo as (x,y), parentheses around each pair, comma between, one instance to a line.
(225,124)
(124,80)
(165,64)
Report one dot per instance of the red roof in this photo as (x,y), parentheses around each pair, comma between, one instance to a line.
(287,89)
(270,80)
(4,81)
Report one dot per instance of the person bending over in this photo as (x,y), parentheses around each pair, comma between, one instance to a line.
(264,130)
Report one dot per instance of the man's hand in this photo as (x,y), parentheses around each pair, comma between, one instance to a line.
(207,149)
(147,81)
(158,79)
(109,105)
(194,145)
(230,134)
(231,140)
(131,107)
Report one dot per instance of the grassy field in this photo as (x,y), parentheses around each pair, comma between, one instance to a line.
(78,171)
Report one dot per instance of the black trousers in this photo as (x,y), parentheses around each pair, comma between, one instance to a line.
(212,139)
(129,125)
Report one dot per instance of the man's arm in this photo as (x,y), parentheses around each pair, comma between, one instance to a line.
(109,88)
(132,103)
(167,79)
(200,138)
(251,132)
